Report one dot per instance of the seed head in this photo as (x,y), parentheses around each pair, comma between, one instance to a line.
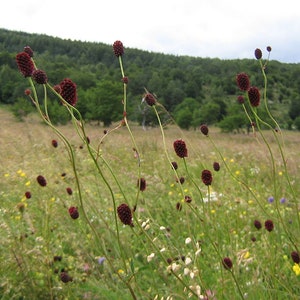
(125,214)
(204,129)
(150,99)
(269,225)
(257,224)
(227,263)
(73,212)
(39,76)
(295,257)
(243,81)
(118,48)
(41,180)
(180,148)
(254,96)
(68,91)
(25,64)
(28,50)
(206,177)
(258,53)
(141,183)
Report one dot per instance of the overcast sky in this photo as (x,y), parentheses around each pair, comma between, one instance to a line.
(204,28)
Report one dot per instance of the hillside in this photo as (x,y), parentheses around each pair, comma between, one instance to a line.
(194,89)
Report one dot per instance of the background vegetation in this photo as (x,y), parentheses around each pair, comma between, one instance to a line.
(194,90)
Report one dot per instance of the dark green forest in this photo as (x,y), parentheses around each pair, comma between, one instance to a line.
(193,90)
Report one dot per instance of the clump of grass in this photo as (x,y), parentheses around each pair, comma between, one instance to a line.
(157,214)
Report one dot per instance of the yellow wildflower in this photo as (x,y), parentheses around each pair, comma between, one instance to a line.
(296,269)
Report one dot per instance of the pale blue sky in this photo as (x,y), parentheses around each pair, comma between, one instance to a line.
(204,28)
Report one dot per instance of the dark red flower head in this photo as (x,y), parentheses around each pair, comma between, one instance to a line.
(188,199)
(204,129)
(295,257)
(125,214)
(216,166)
(258,53)
(241,99)
(150,99)
(141,183)
(269,225)
(54,143)
(125,80)
(28,50)
(68,91)
(39,76)
(206,177)
(257,224)
(254,96)
(65,277)
(118,48)
(243,81)
(180,148)
(41,180)
(269,49)
(227,263)
(25,64)
(69,190)
(27,195)
(174,165)
(73,212)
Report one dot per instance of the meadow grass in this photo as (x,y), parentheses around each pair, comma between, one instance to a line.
(64,237)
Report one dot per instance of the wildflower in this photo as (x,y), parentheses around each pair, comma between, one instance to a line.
(150,99)
(257,224)
(178,206)
(118,48)
(28,50)
(254,96)
(69,190)
(125,79)
(282,200)
(227,263)
(39,76)
(141,183)
(181,180)
(65,277)
(204,129)
(269,225)
(101,260)
(54,143)
(180,148)
(41,180)
(243,81)
(174,165)
(295,257)
(25,64)
(216,166)
(187,199)
(73,212)
(258,53)
(296,269)
(240,99)
(206,177)
(27,195)
(27,92)
(68,91)
(150,257)
(125,214)
(271,199)
(269,49)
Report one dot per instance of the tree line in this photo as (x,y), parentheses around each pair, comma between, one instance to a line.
(193,90)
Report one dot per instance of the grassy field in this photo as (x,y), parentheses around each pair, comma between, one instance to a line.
(176,249)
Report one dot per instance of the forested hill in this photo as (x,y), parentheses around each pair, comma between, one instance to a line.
(194,90)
